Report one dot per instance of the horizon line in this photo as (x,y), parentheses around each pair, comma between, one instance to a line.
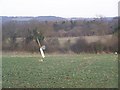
(54,16)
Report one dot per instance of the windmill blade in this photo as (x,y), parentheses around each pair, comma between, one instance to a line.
(41,48)
(42,53)
(38,42)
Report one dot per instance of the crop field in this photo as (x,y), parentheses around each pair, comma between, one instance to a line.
(60,71)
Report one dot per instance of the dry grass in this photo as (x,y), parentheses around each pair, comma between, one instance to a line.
(89,39)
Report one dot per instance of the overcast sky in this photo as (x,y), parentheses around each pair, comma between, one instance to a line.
(62,8)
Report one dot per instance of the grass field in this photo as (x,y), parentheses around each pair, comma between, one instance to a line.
(60,71)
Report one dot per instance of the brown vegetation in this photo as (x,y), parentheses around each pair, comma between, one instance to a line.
(63,36)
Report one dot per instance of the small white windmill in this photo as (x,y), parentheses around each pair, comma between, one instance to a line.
(39,38)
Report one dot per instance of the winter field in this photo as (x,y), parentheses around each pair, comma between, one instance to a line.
(60,71)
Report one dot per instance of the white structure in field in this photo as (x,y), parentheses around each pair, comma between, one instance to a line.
(115,53)
(41,49)
(42,53)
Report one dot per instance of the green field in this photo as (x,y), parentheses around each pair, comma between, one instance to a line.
(60,71)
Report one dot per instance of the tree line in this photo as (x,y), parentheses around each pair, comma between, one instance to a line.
(16,35)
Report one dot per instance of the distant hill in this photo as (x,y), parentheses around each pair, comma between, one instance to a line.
(45,18)
(49,18)
(89,19)
(39,18)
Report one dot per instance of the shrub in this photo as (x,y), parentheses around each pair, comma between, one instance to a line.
(80,46)
(52,45)
(96,47)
